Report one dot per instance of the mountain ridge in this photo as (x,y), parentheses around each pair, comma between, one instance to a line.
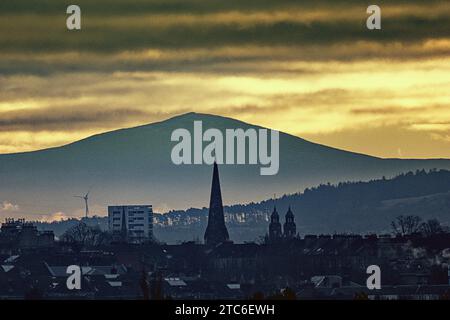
(199,114)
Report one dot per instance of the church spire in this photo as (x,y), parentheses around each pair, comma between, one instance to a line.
(216,231)
(290,229)
(274,226)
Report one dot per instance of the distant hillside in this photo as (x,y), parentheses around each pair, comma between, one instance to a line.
(346,207)
(358,207)
(133,166)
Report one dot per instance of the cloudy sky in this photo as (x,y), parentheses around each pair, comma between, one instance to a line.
(310,69)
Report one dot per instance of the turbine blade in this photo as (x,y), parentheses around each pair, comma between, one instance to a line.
(89,191)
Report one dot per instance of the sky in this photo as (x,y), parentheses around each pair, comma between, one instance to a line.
(309,68)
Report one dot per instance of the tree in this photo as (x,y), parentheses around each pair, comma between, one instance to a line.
(432,227)
(84,235)
(406,225)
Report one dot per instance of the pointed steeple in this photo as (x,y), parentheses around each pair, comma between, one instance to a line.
(216,231)
(290,229)
(274,217)
(289,213)
(274,226)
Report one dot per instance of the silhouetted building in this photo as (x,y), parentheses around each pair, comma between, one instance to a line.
(313,267)
(274,226)
(21,234)
(290,228)
(124,231)
(216,231)
(131,223)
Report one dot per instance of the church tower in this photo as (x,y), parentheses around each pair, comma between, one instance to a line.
(274,226)
(216,231)
(290,229)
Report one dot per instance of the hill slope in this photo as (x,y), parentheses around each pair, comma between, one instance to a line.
(352,207)
(134,166)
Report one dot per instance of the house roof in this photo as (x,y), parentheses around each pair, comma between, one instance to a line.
(60,271)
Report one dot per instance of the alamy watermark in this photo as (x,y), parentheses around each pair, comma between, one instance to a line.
(190,149)
(374,280)
(73,22)
(74,280)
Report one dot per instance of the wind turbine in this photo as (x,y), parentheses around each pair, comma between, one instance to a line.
(86,198)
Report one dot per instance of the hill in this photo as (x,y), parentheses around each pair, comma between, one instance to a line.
(133,166)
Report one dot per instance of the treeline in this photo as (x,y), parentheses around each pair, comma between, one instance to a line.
(344,207)
(356,207)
